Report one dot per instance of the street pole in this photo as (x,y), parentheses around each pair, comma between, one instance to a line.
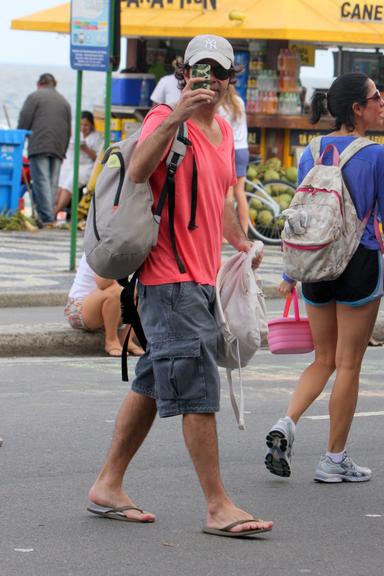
(75,188)
(108,85)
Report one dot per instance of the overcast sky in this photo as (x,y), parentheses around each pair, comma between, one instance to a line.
(30,47)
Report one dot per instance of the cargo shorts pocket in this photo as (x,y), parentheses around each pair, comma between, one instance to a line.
(178,368)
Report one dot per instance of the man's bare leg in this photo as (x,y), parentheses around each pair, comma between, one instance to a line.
(133,423)
(201,440)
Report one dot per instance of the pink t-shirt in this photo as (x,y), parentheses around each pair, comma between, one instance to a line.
(199,249)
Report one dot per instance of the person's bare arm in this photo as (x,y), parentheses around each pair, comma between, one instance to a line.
(149,153)
(232,229)
(234,233)
(88,151)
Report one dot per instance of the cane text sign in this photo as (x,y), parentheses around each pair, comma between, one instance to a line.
(362,12)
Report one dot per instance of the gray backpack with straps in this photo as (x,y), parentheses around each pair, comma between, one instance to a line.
(322,230)
(122,225)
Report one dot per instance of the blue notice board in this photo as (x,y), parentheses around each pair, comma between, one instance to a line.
(90,35)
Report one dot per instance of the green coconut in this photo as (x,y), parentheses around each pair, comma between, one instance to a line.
(292,174)
(255,203)
(271,174)
(264,218)
(251,172)
(273,163)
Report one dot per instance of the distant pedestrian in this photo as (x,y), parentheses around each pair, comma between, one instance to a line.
(90,143)
(48,115)
(233,110)
(341,312)
(167,89)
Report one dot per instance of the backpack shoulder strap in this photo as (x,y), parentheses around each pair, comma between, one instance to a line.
(314,146)
(178,149)
(353,148)
(174,159)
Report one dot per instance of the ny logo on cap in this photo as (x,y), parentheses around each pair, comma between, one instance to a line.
(211,44)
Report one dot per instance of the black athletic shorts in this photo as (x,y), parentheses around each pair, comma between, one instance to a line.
(360,283)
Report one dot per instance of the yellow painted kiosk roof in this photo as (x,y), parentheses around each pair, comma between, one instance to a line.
(323,21)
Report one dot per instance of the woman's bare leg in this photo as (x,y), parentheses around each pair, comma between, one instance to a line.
(355,326)
(63,200)
(102,309)
(323,324)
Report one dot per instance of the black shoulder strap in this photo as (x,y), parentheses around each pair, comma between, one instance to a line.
(130,315)
(192,222)
(174,159)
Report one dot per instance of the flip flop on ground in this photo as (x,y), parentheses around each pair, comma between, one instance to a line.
(227,530)
(116,513)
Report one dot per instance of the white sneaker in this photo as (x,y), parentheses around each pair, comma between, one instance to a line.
(279,441)
(345,471)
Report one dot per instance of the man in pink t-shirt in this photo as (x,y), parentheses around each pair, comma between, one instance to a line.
(178,374)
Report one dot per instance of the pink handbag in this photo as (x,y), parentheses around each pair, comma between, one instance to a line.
(290,335)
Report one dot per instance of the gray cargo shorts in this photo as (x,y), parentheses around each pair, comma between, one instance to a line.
(179,368)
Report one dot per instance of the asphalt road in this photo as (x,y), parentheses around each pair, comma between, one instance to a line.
(57,418)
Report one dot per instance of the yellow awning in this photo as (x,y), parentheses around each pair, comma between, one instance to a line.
(323,21)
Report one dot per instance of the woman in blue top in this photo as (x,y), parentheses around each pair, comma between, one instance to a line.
(341,312)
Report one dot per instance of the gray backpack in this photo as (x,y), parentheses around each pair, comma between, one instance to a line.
(122,225)
(322,230)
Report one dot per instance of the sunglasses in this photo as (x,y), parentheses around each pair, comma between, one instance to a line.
(221,73)
(376,97)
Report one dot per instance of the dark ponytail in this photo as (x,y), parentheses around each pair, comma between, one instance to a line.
(318,107)
(344,92)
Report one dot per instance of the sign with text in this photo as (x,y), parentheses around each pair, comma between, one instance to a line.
(303,137)
(90,25)
(362,11)
(305,52)
(376,137)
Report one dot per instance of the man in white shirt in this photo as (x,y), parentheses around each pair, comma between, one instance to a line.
(167,90)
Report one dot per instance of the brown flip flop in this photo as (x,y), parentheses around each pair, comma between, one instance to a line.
(226,531)
(116,513)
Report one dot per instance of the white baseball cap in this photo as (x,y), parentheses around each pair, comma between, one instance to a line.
(209,46)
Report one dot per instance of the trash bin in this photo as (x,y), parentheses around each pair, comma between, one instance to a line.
(11,161)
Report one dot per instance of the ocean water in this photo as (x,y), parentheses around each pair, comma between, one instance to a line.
(19,80)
